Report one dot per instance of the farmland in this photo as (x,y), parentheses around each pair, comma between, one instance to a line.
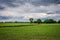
(27,31)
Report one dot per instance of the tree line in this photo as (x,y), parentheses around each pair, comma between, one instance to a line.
(45,21)
(37,21)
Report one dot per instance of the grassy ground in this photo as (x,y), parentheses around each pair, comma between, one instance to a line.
(24,31)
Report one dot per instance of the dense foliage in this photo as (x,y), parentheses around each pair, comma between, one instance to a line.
(49,21)
(45,21)
(59,21)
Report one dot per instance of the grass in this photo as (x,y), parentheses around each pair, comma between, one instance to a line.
(26,31)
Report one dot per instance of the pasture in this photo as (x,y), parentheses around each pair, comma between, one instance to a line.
(27,31)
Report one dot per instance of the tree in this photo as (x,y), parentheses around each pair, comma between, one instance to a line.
(59,21)
(38,21)
(31,20)
(49,21)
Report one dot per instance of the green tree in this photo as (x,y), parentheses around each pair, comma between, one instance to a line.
(31,20)
(38,21)
(49,21)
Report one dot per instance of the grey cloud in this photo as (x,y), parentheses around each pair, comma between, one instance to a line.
(38,2)
(4,17)
(34,2)
(8,3)
(30,6)
(2,8)
(44,2)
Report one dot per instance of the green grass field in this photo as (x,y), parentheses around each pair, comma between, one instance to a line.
(26,31)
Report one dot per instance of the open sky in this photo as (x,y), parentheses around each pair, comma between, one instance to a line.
(22,10)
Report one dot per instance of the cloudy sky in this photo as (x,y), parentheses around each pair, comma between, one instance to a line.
(22,10)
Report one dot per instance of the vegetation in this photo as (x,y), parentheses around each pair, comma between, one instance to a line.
(31,20)
(38,21)
(27,31)
(49,21)
(59,21)
(45,21)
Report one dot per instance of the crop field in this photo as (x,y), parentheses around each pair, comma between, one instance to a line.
(27,31)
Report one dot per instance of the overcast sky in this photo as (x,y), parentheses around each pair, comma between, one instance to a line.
(22,10)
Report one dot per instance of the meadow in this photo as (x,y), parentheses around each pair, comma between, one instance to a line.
(27,31)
